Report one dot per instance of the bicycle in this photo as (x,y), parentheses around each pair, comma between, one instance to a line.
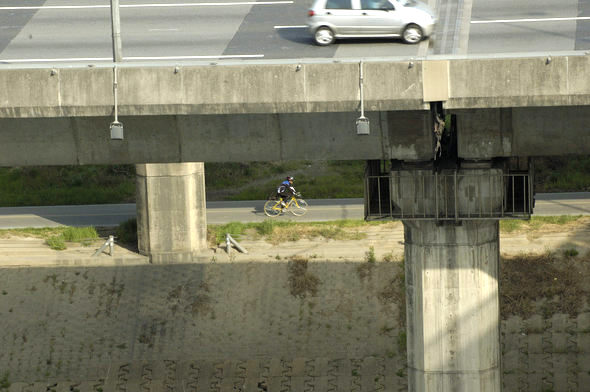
(295,206)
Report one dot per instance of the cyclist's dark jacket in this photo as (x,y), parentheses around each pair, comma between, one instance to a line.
(286,190)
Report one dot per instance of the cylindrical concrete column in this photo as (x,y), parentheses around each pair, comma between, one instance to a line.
(171,211)
(452,306)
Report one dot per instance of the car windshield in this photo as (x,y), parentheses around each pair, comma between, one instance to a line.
(408,3)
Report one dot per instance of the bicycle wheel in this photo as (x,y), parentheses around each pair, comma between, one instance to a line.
(272,208)
(298,208)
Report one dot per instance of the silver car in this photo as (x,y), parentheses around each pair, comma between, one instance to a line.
(411,20)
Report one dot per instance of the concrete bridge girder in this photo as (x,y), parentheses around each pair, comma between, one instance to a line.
(215,138)
(401,135)
(533,131)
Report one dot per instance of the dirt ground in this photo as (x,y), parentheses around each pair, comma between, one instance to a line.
(384,242)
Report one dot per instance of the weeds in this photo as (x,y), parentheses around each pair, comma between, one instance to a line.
(370,255)
(4,382)
(127,232)
(301,281)
(542,284)
(56,243)
(55,237)
(71,234)
(402,342)
(570,252)
(277,232)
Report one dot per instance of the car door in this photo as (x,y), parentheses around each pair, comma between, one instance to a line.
(340,15)
(379,17)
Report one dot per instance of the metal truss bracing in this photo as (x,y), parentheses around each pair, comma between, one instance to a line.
(450,195)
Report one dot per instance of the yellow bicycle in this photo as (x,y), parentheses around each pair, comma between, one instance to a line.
(294,205)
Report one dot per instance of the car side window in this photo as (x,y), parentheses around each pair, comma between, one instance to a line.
(376,5)
(339,4)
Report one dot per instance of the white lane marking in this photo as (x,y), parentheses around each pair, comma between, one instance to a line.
(291,27)
(60,7)
(74,59)
(530,20)
(229,56)
(56,60)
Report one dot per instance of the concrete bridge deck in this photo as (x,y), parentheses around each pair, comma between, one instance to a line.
(291,111)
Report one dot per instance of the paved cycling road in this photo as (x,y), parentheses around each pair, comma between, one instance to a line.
(244,211)
(79,30)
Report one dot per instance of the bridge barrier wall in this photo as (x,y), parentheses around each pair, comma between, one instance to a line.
(267,87)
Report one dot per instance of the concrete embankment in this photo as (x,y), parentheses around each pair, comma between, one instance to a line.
(286,317)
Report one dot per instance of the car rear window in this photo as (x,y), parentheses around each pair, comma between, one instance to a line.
(339,4)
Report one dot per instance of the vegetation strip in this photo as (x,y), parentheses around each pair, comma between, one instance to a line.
(91,184)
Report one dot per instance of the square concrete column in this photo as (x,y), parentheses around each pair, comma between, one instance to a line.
(452,306)
(171,211)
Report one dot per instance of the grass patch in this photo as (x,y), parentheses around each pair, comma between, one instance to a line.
(562,174)
(98,184)
(333,179)
(56,243)
(536,222)
(55,237)
(277,232)
(79,234)
(66,185)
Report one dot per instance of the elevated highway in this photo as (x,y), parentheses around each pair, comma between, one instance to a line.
(502,111)
(293,110)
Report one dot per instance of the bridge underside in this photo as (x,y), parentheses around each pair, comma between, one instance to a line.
(401,135)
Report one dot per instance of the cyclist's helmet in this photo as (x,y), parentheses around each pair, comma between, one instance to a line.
(289,178)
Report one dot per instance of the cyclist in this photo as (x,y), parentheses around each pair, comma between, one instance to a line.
(286,190)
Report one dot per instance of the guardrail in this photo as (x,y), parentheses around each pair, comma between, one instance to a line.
(451,195)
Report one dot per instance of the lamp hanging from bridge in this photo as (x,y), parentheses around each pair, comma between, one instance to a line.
(362,123)
(116,126)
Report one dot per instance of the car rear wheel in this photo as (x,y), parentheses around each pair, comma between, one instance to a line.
(412,34)
(324,36)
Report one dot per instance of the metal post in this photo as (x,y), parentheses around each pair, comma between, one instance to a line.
(362,123)
(424,200)
(436,194)
(368,195)
(455,195)
(513,199)
(116,28)
(111,244)
(115,95)
(379,193)
(390,179)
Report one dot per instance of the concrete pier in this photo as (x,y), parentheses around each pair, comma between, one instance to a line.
(171,211)
(452,306)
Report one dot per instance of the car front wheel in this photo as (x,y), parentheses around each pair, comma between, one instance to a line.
(324,36)
(412,34)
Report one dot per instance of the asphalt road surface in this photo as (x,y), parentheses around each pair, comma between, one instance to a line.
(42,31)
(219,212)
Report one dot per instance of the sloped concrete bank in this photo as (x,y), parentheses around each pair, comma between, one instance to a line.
(298,325)
(123,321)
